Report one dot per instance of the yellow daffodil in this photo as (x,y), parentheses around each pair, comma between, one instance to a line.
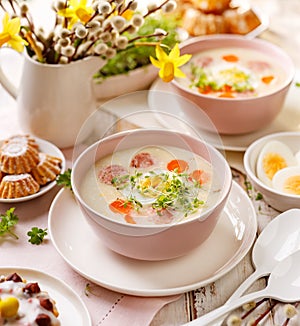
(9,34)
(169,64)
(77,11)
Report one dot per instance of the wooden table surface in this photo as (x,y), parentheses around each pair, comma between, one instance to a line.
(283,30)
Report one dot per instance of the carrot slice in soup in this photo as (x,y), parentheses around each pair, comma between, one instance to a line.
(178,165)
(230,58)
(267,79)
(227,95)
(129,219)
(120,206)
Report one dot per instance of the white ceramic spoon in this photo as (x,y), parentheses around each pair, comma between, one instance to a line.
(283,285)
(279,239)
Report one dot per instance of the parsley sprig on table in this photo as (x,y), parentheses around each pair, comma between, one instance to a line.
(36,235)
(7,223)
(64,179)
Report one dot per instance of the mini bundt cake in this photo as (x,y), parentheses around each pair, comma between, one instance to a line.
(23,139)
(17,157)
(18,185)
(25,303)
(47,169)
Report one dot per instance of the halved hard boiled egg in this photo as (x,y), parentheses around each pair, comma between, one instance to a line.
(273,157)
(287,180)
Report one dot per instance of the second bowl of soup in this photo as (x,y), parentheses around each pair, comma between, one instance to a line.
(151,194)
(240,83)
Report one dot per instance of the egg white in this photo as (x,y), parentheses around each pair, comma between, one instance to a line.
(273,147)
(280,178)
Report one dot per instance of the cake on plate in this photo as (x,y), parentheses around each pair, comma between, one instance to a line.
(18,157)
(18,185)
(47,169)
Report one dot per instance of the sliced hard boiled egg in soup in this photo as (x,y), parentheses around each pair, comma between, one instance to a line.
(273,157)
(288,180)
(149,186)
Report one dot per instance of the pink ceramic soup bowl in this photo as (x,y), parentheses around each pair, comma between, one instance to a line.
(237,115)
(152,242)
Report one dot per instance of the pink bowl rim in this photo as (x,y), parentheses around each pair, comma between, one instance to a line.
(225,189)
(252,174)
(243,39)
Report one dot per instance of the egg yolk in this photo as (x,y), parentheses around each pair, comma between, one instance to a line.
(292,185)
(152,186)
(272,163)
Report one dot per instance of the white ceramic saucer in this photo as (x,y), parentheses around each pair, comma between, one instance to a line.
(85,253)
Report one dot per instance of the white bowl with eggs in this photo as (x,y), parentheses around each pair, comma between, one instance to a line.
(272,164)
(145,232)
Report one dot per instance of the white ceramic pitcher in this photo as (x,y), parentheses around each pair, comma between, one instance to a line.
(54,100)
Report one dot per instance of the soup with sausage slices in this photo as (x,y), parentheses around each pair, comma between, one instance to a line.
(233,73)
(151,185)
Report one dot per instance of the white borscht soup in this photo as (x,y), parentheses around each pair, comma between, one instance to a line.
(151,185)
(232,73)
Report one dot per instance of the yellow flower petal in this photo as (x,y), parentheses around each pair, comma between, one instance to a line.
(175,52)
(9,35)
(155,62)
(169,64)
(161,54)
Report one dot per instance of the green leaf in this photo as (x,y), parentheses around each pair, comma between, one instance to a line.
(64,179)
(7,223)
(36,235)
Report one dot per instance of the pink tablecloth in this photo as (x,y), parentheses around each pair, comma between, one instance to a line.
(105,307)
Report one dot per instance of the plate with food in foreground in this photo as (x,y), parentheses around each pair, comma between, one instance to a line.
(31,296)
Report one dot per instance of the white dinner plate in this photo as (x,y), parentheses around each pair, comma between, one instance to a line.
(75,241)
(287,120)
(71,308)
(48,148)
